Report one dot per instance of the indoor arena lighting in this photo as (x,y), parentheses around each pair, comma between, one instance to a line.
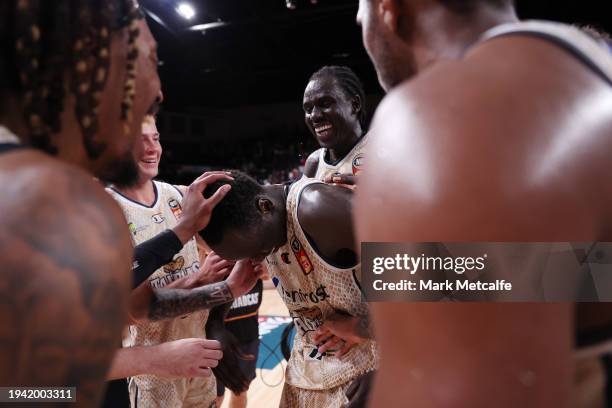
(185,10)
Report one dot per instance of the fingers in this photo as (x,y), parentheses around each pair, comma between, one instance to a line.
(202,372)
(211,344)
(218,195)
(222,264)
(207,178)
(209,173)
(329,344)
(344,349)
(320,334)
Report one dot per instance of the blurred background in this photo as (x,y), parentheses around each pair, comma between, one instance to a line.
(234,72)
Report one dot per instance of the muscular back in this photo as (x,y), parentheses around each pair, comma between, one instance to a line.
(510,144)
(65,256)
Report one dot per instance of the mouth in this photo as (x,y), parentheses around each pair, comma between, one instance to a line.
(149,162)
(323,130)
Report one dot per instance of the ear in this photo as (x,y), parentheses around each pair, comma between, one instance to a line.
(264,205)
(388,11)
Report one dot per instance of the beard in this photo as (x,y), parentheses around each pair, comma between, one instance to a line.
(122,172)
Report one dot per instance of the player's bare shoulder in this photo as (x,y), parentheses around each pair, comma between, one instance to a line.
(66,259)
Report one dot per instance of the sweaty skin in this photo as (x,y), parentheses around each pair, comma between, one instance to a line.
(517,155)
(62,309)
(66,254)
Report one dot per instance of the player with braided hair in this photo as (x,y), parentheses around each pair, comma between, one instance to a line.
(76,79)
(334,108)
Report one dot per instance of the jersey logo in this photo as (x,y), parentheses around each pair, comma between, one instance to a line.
(307,319)
(174,265)
(301,256)
(175,207)
(285,258)
(357,164)
(275,281)
(158,218)
(135,230)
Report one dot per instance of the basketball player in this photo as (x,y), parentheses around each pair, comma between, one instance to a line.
(502,135)
(335,114)
(68,76)
(304,231)
(151,207)
(75,83)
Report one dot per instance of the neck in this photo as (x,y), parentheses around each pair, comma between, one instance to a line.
(142,192)
(277,193)
(432,44)
(342,149)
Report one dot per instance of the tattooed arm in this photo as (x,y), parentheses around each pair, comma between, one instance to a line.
(65,272)
(164,303)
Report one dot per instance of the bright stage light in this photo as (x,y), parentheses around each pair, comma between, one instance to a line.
(185,10)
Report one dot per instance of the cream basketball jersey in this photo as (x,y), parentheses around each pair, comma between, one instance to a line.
(351,163)
(313,289)
(144,223)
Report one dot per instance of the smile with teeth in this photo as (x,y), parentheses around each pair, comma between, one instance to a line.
(151,161)
(322,128)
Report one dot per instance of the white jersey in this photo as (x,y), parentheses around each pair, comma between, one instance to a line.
(351,163)
(313,289)
(146,222)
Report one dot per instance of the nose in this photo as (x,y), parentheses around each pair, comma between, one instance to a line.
(316,114)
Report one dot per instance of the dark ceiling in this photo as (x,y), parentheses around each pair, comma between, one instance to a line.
(233,87)
(258,52)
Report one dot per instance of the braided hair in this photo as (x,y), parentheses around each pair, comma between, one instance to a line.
(349,82)
(43,40)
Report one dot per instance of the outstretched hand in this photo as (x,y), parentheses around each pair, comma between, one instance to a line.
(196,210)
(346,180)
(244,276)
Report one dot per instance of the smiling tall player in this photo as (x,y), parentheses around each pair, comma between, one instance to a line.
(334,112)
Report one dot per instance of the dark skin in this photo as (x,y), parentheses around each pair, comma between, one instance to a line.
(322,208)
(506,184)
(66,252)
(326,104)
(48,286)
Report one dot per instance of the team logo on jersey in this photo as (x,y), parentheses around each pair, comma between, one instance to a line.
(307,319)
(275,281)
(158,218)
(175,207)
(357,164)
(174,265)
(135,230)
(302,257)
(285,258)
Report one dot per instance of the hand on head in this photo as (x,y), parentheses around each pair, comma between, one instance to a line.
(197,209)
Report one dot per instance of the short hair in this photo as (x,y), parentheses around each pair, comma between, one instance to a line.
(349,83)
(42,40)
(238,209)
(464,7)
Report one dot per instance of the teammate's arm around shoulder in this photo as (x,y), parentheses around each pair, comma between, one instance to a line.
(325,213)
(66,257)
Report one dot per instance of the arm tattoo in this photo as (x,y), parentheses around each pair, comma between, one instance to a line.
(168,303)
(65,267)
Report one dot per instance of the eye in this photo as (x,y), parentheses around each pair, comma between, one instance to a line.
(307,109)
